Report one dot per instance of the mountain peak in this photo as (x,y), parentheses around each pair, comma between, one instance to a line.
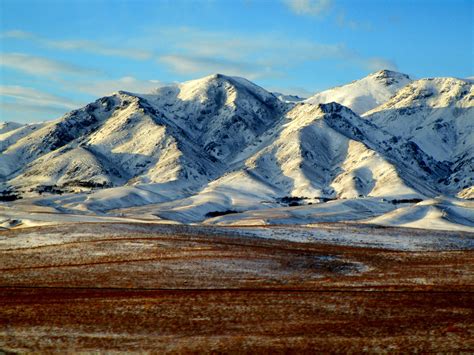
(364,94)
(223,86)
(430,93)
(216,77)
(389,76)
(387,72)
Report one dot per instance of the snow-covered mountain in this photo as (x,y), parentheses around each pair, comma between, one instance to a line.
(186,132)
(364,94)
(438,116)
(221,144)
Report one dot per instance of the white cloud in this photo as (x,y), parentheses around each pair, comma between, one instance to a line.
(27,104)
(106,87)
(257,48)
(24,95)
(41,66)
(254,56)
(194,51)
(97,48)
(309,7)
(183,64)
(17,34)
(80,45)
(196,42)
(28,113)
(376,63)
(320,7)
(198,52)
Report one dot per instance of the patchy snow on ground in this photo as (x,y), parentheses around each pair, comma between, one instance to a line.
(354,235)
(370,237)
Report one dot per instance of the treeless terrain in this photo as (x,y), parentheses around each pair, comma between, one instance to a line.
(105,287)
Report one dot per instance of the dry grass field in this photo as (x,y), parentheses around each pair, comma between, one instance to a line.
(110,287)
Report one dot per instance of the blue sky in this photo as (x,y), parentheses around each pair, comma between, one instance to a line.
(58,55)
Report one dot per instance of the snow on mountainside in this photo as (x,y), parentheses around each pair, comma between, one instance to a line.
(438,116)
(364,94)
(219,113)
(308,157)
(303,159)
(182,133)
(10,132)
(59,134)
(9,126)
(223,145)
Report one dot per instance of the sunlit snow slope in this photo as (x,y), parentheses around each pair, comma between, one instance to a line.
(364,94)
(222,145)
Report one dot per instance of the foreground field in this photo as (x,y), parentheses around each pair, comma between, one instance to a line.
(123,287)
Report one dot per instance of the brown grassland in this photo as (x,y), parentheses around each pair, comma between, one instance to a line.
(145,291)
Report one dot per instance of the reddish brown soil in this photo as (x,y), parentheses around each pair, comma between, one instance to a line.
(182,293)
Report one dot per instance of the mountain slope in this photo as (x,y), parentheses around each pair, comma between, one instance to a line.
(9,126)
(308,157)
(181,133)
(223,145)
(364,94)
(303,159)
(11,132)
(436,115)
(222,114)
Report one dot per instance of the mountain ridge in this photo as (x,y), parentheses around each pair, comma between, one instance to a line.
(364,94)
(222,143)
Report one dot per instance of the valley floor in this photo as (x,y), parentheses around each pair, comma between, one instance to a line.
(177,288)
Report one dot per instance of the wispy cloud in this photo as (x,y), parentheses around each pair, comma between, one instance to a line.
(24,104)
(190,52)
(309,7)
(183,64)
(198,52)
(105,87)
(317,8)
(41,66)
(96,48)
(19,103)
(241,47)
(374,64)
(80,45)
(194,51)
(17,34)
(25,95)
(27,113)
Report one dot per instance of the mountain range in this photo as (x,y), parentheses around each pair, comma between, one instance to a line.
(384,149)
